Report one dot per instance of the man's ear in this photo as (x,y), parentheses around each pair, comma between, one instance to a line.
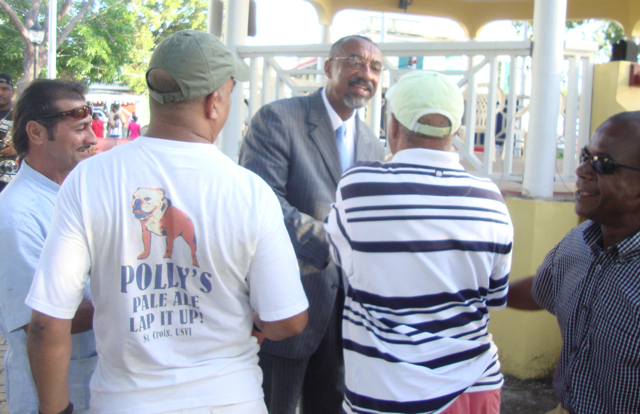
(211,103)
(327,67)
(393,134)
(37,133)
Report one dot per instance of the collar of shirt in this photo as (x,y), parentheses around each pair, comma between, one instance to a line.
(626,249)
(427,157)
(336,121)
(34,176)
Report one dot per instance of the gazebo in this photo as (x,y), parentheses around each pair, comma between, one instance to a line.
(529,342)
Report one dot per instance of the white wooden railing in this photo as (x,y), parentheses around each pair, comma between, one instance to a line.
(480,63)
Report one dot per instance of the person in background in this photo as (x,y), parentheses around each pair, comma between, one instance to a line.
(97,126)
(8,155)
(116,121)
(134,128)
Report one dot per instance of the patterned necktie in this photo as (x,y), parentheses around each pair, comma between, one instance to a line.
(341,133)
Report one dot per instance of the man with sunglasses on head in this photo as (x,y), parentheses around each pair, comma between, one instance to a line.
(185,251)
(52,134)
(591,282)
(301,147)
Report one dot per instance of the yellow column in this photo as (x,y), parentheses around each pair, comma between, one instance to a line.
(529,342)
(612,93)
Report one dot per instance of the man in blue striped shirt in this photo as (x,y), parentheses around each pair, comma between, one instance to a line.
(590,280)
(426,248)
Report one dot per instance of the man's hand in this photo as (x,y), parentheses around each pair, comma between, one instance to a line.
(9,151)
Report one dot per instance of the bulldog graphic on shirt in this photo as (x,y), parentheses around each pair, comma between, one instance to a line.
(158,216)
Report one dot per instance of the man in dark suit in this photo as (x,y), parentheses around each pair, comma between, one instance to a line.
(301,146)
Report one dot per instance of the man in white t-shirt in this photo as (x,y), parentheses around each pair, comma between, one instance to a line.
(186,251)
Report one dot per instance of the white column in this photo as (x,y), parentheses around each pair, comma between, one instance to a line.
(325,37)
(53,24)
(376,101)
(549,22)
(236,35)
(214,23)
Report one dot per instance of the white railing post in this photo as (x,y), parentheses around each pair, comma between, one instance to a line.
(266,82)
(490,132)
(253,88)
(585,101)
(570,119)
(509,139)
(236,35)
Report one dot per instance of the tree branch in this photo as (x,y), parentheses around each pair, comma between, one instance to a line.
(64,9)
(15,20)
(65,32)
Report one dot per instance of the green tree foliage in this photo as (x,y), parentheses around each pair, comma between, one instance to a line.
(113,41)
(11,58)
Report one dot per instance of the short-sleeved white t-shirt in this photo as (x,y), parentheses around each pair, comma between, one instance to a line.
(180,244)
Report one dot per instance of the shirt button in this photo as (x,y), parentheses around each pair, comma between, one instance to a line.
(439,173)
(334,286)
(598,267)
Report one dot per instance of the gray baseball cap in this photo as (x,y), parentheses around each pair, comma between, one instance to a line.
(199,62)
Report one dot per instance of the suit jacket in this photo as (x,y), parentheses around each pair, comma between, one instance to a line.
(291,144)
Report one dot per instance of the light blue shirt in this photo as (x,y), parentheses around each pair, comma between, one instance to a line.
(27,206)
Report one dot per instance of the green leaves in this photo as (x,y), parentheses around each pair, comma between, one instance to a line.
(112,43)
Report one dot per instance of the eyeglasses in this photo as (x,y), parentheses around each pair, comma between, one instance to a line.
(80,112)
(602,165)
(358,62)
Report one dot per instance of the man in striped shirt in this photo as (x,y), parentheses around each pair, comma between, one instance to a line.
(426,248)
(590,280)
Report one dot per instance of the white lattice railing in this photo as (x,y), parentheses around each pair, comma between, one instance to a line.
(501,66)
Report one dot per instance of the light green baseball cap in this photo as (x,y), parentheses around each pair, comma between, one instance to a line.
(422,93)
(199,62)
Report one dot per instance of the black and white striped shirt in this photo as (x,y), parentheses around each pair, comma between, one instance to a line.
(595,294)
(426,248)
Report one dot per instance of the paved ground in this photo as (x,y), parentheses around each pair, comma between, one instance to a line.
(518,396)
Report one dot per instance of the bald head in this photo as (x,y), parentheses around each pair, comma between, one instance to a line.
(338,46)
(626,127)
(160,81)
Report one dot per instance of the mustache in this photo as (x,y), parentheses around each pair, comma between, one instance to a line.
(362,82)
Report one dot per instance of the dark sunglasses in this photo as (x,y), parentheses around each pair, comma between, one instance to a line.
(80,112)
(602,165)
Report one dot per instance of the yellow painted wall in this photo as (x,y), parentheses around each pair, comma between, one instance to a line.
(612,93)
(529,341)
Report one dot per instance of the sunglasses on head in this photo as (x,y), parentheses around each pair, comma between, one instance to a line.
(602,165)
(80,112)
